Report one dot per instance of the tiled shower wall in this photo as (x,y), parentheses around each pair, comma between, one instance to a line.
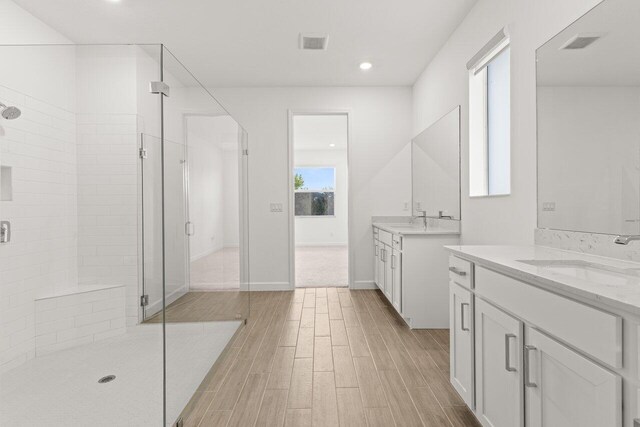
(107,204)
(40,147)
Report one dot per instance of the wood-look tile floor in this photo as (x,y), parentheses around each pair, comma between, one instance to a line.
(207,306)
(329,357)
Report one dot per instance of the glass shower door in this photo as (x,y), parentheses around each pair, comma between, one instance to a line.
(206,236)
(169,264)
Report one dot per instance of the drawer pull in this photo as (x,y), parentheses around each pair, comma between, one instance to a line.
(527,366)
(507,353)
(462,316)
(458,272)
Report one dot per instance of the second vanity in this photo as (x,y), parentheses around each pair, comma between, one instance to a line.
(543,337)
(410,270)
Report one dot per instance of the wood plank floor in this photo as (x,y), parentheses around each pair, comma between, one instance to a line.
(328,357)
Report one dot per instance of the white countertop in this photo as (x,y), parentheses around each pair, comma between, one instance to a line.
(504,259)
(405,229)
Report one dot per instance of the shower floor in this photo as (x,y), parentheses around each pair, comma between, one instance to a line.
(62,389)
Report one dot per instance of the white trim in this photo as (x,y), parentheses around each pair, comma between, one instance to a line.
(270,286)
(311,245)
(291,217)
(173,296)
(490,50)
(364,284)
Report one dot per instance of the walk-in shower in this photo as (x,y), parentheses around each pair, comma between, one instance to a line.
(10,112)
(105,182)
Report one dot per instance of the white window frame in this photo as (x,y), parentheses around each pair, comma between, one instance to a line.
(318,190)
(478,117)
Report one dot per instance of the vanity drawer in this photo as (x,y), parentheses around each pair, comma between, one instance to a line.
(384,237)
(460,271)
(595,332)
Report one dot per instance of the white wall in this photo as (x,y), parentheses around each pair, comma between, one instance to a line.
(444,84)
(380,126)
(40,146)
(320,230)
(206,194)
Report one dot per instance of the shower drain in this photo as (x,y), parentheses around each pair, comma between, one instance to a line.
(107,379)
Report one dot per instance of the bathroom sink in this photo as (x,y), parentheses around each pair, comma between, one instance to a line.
(589,271)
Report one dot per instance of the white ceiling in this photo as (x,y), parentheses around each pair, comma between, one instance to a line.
(316,132)
(255,42)
(613,60)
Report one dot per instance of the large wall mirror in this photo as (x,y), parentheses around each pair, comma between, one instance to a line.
(435,168)
(588,95)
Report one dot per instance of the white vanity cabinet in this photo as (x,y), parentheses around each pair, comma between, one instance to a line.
(531,357)
(410,270)
(564,388)
(461,341)
(498,366)
(396,281)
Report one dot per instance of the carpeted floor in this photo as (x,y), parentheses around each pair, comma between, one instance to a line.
(319,266)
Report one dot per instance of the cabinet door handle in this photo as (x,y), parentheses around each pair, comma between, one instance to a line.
(393,262)
(507,353)
(383,254)
(376,250)
(462,316)
(458,272)
(527,366)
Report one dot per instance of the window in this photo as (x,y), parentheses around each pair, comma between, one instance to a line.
(489,120)
(315,191)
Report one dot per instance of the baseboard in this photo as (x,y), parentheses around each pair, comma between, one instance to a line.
(205,254)
(269,286)
(157,306)
(321,245)
(364,284)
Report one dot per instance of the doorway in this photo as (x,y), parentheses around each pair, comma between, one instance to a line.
(319,164)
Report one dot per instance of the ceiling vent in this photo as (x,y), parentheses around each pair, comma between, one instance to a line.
(581,41)
(313,42)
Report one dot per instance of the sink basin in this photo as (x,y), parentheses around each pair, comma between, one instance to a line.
(589,271)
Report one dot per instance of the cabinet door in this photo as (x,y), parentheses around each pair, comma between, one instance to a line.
(376,262)
(498,387)
(461,342)
(388,272)
(381,267)
(563,388)
(396,266)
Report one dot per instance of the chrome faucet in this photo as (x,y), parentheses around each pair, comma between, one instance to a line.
(423,215)
(624,240)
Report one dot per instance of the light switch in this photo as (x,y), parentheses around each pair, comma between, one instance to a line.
(549,206)
(275,207)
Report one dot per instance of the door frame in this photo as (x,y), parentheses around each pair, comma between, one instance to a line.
(291,200)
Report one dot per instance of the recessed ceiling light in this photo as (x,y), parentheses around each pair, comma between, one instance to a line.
(332,145)
(113,1)
(366,66)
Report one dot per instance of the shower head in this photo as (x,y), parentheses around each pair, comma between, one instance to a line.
(10,112)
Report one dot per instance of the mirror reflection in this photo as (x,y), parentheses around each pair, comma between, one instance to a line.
(588,95)
(435,171)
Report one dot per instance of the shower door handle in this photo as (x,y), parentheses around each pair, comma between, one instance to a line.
(5,231)
(189,228)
